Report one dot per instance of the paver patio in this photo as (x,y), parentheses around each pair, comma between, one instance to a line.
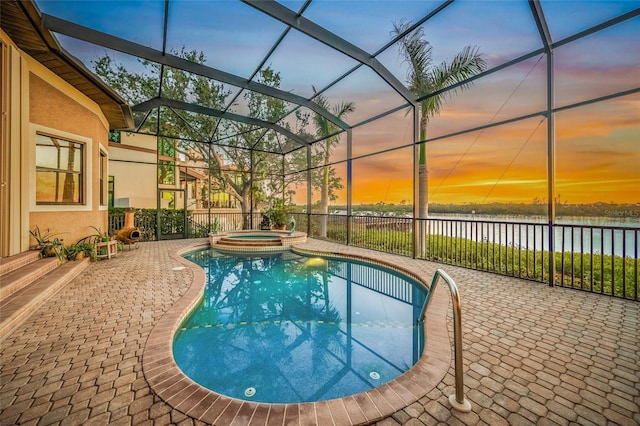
(532,354)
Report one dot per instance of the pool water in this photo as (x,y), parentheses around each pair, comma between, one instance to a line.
(287,328)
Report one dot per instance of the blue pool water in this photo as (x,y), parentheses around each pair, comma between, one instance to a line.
(286,328)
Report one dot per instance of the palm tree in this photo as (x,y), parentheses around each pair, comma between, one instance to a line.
(424,78)
(325,128)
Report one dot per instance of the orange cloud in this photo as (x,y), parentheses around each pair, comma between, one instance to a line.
(597,157)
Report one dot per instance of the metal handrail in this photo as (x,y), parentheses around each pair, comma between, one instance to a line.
(457,401)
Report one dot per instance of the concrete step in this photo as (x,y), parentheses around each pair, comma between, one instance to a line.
(11,263)
(249,243)
(18,279)
(19,305)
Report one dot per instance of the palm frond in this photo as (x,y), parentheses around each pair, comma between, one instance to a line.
(417,52)
(343,109)
(324,127)
(467,63)
(424,78)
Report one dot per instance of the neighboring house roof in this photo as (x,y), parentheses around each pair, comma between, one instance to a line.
(192,174)
(21,20)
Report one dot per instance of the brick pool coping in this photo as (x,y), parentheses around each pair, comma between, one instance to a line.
(180,392)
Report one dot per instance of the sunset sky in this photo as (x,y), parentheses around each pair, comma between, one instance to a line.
(597,145)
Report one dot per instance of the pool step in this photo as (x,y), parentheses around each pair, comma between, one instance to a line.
(235,242)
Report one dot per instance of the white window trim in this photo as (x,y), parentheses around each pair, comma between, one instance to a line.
(87,172)
(105,151)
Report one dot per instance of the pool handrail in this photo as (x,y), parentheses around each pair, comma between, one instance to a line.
(457,401)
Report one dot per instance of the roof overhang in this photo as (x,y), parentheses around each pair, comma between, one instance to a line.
(22,21)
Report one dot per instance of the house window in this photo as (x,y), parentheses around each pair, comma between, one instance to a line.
(111,190)
(103,177)
(114,137)
(59,171)
(166,172)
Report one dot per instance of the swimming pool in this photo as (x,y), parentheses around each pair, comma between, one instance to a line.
(288,328)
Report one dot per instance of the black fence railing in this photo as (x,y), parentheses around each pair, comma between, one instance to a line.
(233,221)
(388,234)
(514,249)
(146,221)
(331,227)
(599,259)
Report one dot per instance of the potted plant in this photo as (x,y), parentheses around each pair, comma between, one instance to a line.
(216,226)
(48,245)
(277,214)
(93,239)
(73,253)
(266,222)
(81,250)
(99,236)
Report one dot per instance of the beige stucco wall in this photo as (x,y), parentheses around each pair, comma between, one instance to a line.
(51,108)
(41,101)
(132,163)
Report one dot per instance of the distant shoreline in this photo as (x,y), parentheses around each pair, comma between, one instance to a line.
(601,210)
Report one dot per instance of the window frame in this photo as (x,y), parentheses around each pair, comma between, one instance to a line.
(111,190)
(103,176)
(60,173)
(86,175)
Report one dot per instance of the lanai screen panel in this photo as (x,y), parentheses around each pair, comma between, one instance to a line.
(232,36)
(566,19)
(599,64)
(371,95)
(501,164)
(599,158)
(385,177)
(305,65)
(386,133)
(232,42)
(515,91)
(336,175)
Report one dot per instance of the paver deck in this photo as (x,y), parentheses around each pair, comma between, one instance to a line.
(532,354)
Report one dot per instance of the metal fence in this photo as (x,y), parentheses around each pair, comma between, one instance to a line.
(599,259)
(146,223)
(198,224)
(388,234)
(602,259)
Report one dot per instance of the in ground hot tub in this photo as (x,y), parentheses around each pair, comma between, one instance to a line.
(253,237)
(256,241)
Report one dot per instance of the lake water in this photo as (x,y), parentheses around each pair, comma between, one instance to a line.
(619,236)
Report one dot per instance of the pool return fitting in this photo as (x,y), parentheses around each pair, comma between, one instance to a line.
(457,401)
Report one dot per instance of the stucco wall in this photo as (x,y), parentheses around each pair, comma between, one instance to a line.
(132,163)
(52,108)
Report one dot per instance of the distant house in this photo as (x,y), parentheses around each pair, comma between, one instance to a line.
(139,177)
(132,171)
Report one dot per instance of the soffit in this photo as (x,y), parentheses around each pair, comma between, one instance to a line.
(21,21)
